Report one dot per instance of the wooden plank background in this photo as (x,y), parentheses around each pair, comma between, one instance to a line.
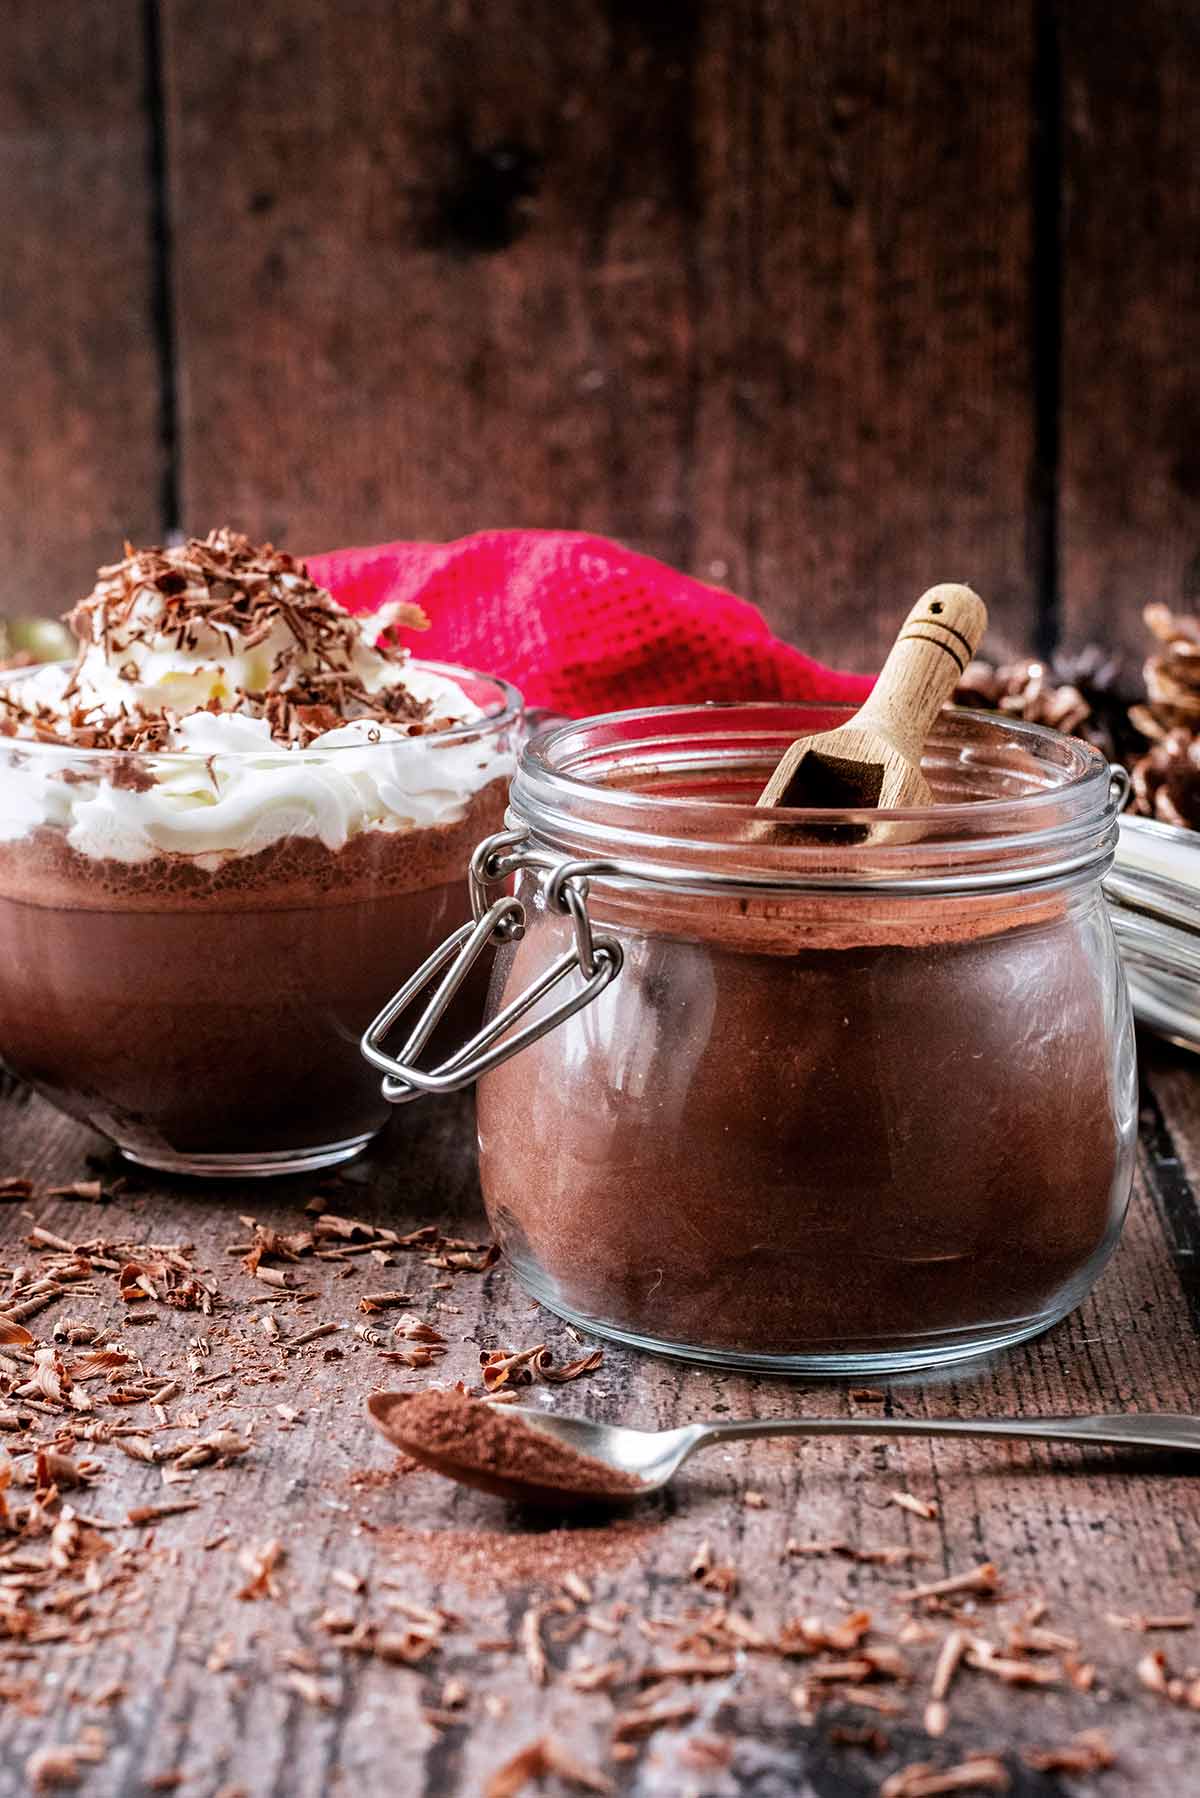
(824,302)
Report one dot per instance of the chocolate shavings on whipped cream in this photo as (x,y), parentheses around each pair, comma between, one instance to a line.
(202,604)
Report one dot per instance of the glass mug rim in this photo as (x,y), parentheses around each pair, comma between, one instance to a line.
(509,710)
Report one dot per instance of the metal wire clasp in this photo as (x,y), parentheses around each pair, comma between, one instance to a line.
(598,959)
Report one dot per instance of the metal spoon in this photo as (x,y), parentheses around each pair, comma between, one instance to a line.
(655,1456)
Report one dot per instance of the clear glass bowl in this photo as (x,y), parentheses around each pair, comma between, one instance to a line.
(192,981)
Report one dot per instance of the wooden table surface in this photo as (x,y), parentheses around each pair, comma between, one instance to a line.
(208,1670)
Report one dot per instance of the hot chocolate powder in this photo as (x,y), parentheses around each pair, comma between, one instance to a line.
(447,1430)
(914,1138)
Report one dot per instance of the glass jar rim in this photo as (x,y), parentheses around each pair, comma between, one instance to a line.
(510,708)
(1066,827)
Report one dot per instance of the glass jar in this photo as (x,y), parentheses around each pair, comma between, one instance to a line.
(813,1092)
(189,943)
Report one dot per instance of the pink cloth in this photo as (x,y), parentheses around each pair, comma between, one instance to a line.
(580,624)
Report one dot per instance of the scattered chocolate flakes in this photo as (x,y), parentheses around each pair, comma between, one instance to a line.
(545,1758)
(898,1556)
(985,1658)
(532,1645)
(846,1664)
(982,1773)
(314,1335)
(1088,1752)
(1154,1673)
(984,1579)
(543,1366)
(412,1329)
(382,1301)
(712,1575)
(642,1720)
(90,1191)
(57,1768)
(596,1676)
(937,1714)
(466,1260)
(1139,1622)
(690,1666)
(705,1754)
(261,1564)
(500,1367)
(169,1280)
(925,1508)
(143,1514)
(308,1687)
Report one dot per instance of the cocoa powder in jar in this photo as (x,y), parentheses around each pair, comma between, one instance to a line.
(819,1126)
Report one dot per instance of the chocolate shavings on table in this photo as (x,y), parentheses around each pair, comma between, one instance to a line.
(682,1657)
(543,1759)
(1088,1752)
(982,1773)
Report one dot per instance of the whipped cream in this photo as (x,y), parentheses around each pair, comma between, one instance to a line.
(250,728)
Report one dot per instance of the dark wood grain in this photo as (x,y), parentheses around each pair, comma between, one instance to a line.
(1130,479)
(80,445)
(206,1677)
(823,302)
(746,286)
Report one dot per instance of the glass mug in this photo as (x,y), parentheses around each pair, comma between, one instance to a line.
(203,1008)
(827,1092)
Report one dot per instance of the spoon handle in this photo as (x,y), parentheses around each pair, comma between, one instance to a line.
(1124,1430)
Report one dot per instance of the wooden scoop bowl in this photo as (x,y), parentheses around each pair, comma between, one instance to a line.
(875,760)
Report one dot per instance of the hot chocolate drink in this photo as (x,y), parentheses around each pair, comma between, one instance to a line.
(220,833)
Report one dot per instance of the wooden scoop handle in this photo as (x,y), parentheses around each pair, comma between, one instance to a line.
(925,663)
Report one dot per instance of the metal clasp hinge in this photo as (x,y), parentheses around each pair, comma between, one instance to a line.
(598,959)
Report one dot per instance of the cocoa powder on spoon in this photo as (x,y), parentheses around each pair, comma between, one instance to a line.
(483,1445)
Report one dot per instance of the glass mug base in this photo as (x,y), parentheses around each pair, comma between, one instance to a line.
(913,1354)
(264,1165)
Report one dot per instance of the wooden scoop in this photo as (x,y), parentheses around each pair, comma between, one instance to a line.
(875,760)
